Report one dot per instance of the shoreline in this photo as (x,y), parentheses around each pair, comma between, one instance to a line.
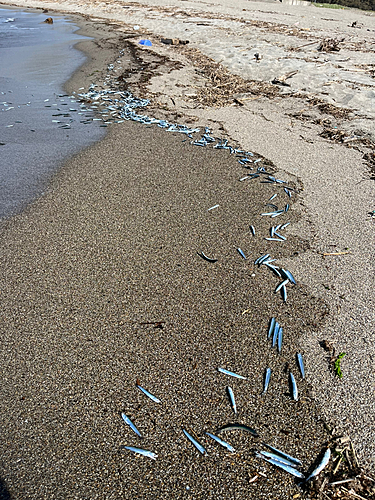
(307,264)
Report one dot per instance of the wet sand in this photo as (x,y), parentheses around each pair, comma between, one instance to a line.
(102,285)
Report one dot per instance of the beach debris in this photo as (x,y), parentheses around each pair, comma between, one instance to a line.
(282,465)
(257,57)
(130,424)
(293,386)
(337,365)
(330,45)
(145,42)
(174,41)
(326,254)
(198,446)
(204,256)
(300,364)
(323,463)
(267,377)
(145,453)
(237,427)
(231,399)
(49,20)
(231,374)
(281,80)
(148,394)
(220,441)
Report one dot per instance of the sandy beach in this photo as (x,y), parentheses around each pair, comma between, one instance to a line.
(102,284)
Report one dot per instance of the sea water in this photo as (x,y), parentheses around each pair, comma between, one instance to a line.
(40,127)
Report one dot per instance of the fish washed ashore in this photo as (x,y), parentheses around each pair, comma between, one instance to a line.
(102,284)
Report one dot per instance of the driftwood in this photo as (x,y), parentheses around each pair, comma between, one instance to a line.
(330,45)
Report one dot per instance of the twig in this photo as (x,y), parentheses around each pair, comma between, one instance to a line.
(253,479)
(369,478)
(350,492)
(334,253)
(354,455)
(305,45)
(337,466)
(348,458)
(341,482)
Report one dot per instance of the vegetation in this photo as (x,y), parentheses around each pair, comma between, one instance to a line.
(358,4)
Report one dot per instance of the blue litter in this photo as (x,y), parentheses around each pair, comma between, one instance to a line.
(145,42)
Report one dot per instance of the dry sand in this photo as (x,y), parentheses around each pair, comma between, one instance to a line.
(138,234)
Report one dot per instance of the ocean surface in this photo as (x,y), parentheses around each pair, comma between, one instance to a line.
(40,127)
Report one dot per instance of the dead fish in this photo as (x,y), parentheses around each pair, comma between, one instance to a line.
(301,365)
(220,441)
(287,468)
(284,293)
(275,334)
(241,253)
(149,395)
(284,455)
(267,378)
(215,206)
(323,463)
(198,446)
(205,257)
(231,398)
(288,275)
(237,427)
(145,453)
(294,386)
(273,456)
(252,229)
(271,327)
(227,372)
(130,424)
(280,340)
(272,197)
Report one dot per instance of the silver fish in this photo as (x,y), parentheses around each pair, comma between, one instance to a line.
(241,253)
(206,258)
(294,387)
(145,453)
(130,424)
(284,455)
(284,293)
(288,275)
(275,334)
(252,229)
(323,463)
(227,372)
(272,197)
(301,365)
(149,395)
(231,398)
(198,446)
(283,283)
(220,441)
(273,456)
(283,466)
(267,377)
(215,206)
(237,427)
(274,239)
(280,340)
(271,327)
